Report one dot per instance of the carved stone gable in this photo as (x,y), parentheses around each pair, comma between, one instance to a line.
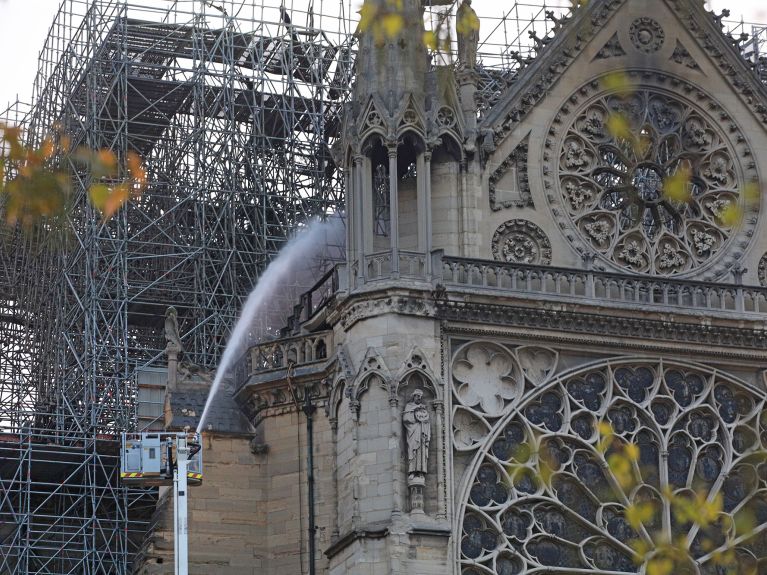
(509,184)
(644,36)
(682,56)
(612,49)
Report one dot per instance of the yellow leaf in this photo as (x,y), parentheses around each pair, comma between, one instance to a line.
(605,435)
(745,521)
(621,469)
(660,566)
(730,216)
(632,451)
(467,22)
(639,513)
(676,187)
(641,547)
(392,24)
(367,15)
(522,453)
(619,127)
(430,40)
(617,82)
(99,195)
(751,193)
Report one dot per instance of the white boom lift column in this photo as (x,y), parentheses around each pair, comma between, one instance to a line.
(180,517)
(171,459)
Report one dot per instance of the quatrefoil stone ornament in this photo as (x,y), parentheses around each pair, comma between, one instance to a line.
(487,377)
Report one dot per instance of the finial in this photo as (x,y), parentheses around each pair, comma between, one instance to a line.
(718,19)
(540,43)
(558,22)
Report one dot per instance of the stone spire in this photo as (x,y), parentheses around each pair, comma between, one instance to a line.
(392,68)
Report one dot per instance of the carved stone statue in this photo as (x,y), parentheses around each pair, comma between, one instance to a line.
(418,428)
(467,29)
(171,331)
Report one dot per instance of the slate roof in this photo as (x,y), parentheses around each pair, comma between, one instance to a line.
(187,402)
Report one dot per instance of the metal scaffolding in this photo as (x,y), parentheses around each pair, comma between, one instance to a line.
(234,107)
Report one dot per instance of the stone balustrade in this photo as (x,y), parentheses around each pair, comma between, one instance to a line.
(378,266)
(294,351)
(592,285)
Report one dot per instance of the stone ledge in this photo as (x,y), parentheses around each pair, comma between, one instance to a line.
(372,531)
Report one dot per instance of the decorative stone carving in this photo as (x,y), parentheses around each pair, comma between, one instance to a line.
(730,63)
(171,331)
(521,241)
(646,35)
(654,196)
(486,377)
(695,429)
(611,49)
(514,170)
(373,363)
(374,307)
(467,30)
(762,270)
(682,56)
(418,435)
(741,343)
(445,117)
(191,372)
(538,363)
(468,429)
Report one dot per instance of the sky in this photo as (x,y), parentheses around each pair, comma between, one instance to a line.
(24,25)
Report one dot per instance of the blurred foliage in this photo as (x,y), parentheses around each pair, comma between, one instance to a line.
(39,182)
(659,553)
(678,184)
(386,20)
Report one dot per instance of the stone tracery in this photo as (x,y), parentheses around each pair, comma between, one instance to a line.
(695,429)
(521,241)
(648,181)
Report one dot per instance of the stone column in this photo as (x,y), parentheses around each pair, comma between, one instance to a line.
(358,190)
(427,208)
(421,203)
(439,409)
(351,247)
(356,515)
(172,352)
(393,209)
(334,491)
(467,87)
(396,454)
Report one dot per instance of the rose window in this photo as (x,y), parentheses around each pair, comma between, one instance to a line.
(542,497)
(649,182)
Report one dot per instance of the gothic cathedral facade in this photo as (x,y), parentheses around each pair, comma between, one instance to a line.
(581,250)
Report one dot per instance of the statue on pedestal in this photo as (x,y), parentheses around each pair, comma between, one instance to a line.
(467,29)
(418,434)
(171,331)
(173,345)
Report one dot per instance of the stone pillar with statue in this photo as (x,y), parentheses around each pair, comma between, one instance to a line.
(417,424)
(173,346)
